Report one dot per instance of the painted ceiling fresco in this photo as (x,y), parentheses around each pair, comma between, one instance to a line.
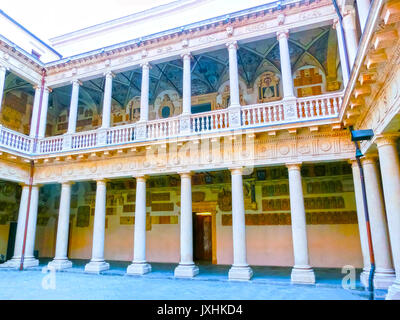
(209,70)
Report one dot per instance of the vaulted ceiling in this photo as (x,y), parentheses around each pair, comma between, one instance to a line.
(209,70)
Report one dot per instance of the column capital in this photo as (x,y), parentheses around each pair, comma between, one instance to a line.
(101,181)
(146,65)
(236,170)
(282,34)
(232,45)
(186,55)
(335,23)
(23,184)
(185,174)
(39,87)
(141,177)
(386,139)
(36,185)
(3,68)
(294,166)
(109,74)
(349,18)
(66,182)
(348,11)
(369,158)
(353,162)
(76,82)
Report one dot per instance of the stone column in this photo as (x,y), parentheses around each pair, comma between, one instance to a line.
(186,94)
(362,226)
(286,69)
(97,263)
(342,53)
(186,267)
(139,265)
(31,231)
(60,260)
(3,71)
(106,120)
(390,171)
(73,108)
(384,273)
(349,26)
(234,106)
(240,270)
(141,126)
(302,272)
(233,74)
(43,113)
(363,11)
(29,260)
(35,112)
(144,93)
(186,91)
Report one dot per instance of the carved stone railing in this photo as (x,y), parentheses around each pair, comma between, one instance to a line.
(262,114)
(51,144)
(164,128)
(15,141)
(258,115)
(317,107)
(209,121)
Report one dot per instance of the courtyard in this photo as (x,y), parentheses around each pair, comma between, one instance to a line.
(269,283)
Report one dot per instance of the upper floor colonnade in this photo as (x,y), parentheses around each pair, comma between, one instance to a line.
(41,101)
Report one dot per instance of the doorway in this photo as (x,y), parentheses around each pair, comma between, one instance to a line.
(203,242)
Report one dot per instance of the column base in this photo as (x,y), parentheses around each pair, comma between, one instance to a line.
(383,279)
(364,278)
(244,273)
(186,271)
(16,262)
(394,291)
(302,275)
(59,264)
(96,266)
(138,268)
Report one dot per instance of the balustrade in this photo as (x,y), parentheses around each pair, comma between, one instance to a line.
(257,115)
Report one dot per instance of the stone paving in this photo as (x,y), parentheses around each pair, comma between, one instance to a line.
(268,283)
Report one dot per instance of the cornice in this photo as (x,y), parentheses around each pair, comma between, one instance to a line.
(182,34)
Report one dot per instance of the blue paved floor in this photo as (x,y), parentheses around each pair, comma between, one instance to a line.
(212,283)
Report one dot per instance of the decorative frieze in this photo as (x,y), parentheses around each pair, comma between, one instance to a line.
(312,218)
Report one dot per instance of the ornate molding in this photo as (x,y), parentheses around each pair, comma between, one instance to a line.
(386,139)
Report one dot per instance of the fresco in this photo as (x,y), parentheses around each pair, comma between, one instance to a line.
(258,63)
